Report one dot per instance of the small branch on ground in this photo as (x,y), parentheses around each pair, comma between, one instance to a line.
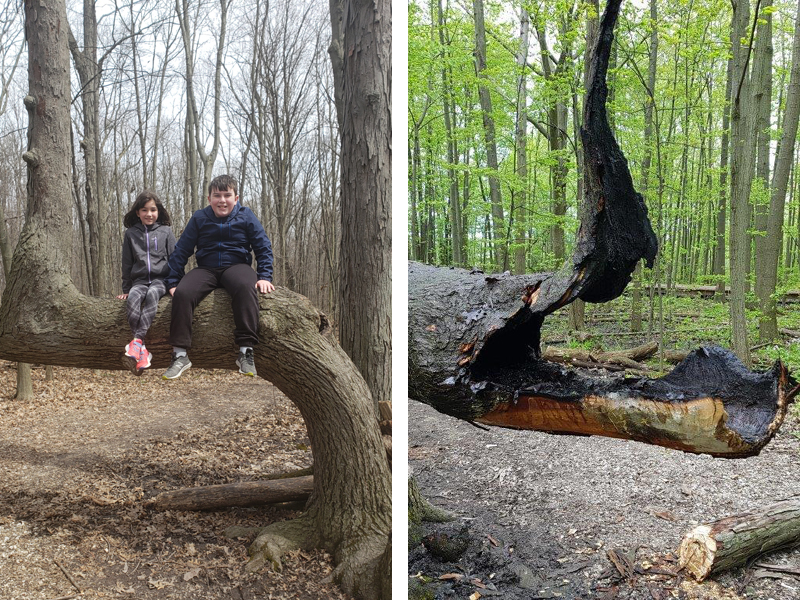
(68,576)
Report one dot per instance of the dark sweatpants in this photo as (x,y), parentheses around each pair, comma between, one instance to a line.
(238,280)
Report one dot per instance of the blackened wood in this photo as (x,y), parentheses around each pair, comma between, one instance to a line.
(474,340)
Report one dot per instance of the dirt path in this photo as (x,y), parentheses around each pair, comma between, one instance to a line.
(542,511)
(77,462)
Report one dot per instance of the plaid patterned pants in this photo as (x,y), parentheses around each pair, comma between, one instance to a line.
(142,305)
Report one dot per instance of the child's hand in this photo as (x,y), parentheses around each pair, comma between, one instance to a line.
(122,297)
(264,286)
(172,291)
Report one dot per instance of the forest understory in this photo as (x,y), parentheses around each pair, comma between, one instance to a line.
(79,462)
(559,516)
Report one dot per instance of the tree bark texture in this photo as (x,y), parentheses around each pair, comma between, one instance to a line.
(474,339)
(366,256)
(736,540)
(42,314)
(472,355)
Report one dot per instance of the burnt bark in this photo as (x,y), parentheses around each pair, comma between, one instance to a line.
(474,340)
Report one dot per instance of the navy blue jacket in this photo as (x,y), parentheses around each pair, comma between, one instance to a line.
(221,242)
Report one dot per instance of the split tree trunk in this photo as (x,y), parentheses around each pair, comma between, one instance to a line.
(42,315)
(736,540)
(474,339)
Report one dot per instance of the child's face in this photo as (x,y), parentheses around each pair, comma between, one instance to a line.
(222,201)
(148,214)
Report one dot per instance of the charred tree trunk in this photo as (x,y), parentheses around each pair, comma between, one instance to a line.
(474,340)
(350,509)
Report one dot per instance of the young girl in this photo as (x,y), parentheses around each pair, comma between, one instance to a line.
(145,252)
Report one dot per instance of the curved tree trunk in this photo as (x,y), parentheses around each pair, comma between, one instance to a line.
(43,314)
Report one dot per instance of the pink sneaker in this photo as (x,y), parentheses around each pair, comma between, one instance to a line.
(144,360)
(134,349)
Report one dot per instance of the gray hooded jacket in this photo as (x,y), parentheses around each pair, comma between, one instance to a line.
(145,254)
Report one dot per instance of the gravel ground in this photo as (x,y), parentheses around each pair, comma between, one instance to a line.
(542,511)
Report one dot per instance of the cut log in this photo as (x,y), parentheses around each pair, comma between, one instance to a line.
(474,340)
(247,493)
(736,540)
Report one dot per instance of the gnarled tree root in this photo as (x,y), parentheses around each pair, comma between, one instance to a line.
(363,561)
(277,539)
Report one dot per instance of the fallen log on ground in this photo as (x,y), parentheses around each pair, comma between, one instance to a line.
(246,493)
(474,340)
(622,358)
(736,540)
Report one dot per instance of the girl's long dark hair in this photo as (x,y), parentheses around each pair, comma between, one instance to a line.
(132,218)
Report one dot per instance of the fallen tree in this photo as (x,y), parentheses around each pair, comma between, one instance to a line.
(736,540)
(43,318)
(474,339)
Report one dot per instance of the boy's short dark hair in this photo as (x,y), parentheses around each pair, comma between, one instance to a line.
(222,183)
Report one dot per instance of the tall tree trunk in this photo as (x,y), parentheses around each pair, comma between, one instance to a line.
(521,147)
(500,254)
(742,159)
(366,252)
(719,247)
(458,241)
(636,314)
(45,318)
(783,164)
(762,100)
(96,208)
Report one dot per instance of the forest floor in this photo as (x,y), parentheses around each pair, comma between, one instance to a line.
(542,515)
(80,460)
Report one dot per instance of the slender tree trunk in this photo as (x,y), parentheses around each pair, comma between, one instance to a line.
(762,100)
(722,204)
(521,148)
(96,208)
(458,241)
(365,267)
(498,217)
(783,163)
(742,159)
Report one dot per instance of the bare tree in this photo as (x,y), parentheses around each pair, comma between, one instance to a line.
(365,261)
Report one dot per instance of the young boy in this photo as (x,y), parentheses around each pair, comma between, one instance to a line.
(223,232)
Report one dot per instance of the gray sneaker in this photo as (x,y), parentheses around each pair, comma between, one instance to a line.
(246,363)
(178,366)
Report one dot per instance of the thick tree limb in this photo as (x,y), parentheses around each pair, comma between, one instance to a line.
(736,540)
(474,340)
